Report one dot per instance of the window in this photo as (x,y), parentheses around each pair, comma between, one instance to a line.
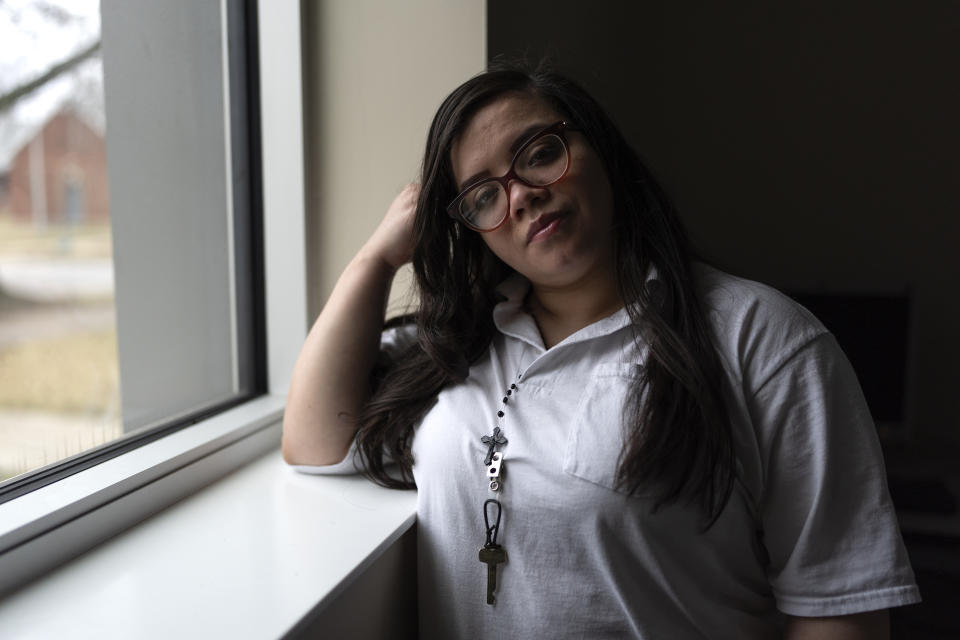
(181,94)
(186,261)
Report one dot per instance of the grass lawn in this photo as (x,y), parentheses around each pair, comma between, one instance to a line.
(59,396)
(58,240)
(75,373)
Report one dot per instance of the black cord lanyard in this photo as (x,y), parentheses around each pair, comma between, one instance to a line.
(492,530)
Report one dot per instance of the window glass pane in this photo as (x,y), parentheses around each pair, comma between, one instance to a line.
(59,387)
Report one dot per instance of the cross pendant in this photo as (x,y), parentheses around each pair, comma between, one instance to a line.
(492,441)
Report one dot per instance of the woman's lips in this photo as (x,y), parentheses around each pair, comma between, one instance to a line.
(544,226)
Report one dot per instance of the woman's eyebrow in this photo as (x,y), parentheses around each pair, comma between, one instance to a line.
(522,137)
(525,135)
(474,178)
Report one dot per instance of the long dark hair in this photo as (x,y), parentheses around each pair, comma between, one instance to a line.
(679,442)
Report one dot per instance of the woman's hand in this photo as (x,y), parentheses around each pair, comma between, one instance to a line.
(392,242)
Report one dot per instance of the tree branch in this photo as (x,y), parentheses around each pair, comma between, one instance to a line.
(7,100)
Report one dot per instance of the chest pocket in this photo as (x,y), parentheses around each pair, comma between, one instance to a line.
(597,433)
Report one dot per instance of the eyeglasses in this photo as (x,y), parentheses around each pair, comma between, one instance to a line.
(541,161)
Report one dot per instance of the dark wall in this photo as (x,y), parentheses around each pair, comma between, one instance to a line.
(811,147)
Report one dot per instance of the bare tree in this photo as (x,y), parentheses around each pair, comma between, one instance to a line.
(8,99)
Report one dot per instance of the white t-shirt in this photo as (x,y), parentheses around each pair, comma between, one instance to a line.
(809,529)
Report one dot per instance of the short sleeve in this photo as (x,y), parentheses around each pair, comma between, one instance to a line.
(828,523)
(392,342)
(396,339)
(348,466)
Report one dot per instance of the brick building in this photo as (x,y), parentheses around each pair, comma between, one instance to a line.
(59,174)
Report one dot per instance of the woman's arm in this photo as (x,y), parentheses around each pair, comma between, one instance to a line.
(870,625)
(330,379)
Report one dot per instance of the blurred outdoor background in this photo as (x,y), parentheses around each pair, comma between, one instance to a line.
(59,392)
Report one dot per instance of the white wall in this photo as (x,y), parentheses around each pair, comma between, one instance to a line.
(375,73)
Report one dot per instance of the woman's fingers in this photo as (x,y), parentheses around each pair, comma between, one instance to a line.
(393,240)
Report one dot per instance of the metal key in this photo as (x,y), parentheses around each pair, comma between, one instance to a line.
(492,556)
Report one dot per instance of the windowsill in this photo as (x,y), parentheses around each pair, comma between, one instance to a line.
(49,506)
(250,556)
(42,530)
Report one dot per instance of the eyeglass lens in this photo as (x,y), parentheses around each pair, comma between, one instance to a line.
(541,163)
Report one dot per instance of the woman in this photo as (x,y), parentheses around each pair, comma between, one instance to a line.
(608,439)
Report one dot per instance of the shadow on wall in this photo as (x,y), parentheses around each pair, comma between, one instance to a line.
(812,148)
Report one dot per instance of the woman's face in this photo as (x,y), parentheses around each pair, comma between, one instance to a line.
(557,236)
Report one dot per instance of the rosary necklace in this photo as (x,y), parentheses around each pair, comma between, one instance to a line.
(492,553)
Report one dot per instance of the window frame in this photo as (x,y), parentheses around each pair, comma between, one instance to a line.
(49,525)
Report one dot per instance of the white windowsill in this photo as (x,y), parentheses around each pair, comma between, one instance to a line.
(25,517)
(250,556)
(45,528)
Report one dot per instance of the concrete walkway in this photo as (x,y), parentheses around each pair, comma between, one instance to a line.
(51,280)
(37,322)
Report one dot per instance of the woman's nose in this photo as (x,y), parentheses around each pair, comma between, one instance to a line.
(523,196)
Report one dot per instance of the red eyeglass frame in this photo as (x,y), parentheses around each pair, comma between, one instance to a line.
(558,129)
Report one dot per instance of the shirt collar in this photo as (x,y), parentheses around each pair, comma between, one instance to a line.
(510,317)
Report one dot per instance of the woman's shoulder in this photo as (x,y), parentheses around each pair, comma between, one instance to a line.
(727,295)
(754,325)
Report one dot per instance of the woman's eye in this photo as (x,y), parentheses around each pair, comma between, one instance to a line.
(543,152)
(484,197)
